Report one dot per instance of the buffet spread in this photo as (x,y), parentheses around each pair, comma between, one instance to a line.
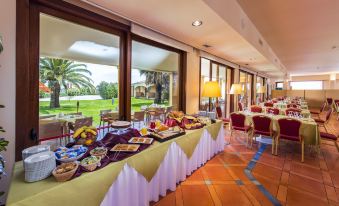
(88,156)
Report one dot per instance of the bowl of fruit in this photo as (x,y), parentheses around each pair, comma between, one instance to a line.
(91,163)
(85,135)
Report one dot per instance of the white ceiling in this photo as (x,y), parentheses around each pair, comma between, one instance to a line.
(174,18)
(58,39)
(301,32)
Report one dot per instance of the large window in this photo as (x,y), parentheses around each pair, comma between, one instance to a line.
(79,69)
(279,85)
(261,89)
(213,71)
(307,85)
(246,81)
(154,78)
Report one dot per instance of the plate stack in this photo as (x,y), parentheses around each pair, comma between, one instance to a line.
(34,150)
(39,166)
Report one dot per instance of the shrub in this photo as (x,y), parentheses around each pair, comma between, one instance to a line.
(73,92)
(108,90)
(43,94)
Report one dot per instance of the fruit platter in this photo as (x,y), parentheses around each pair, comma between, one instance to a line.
(85,135)
(64,154)
(184,121)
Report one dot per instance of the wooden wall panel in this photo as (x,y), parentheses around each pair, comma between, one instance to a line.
(295,93)
(315,98)
(278,93)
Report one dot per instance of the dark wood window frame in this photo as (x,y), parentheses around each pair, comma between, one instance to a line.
(27,61)
(210,74)
(252,83)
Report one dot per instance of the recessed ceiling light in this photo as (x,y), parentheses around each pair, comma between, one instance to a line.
(197,23)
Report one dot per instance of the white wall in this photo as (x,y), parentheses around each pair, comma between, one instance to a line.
(7,83)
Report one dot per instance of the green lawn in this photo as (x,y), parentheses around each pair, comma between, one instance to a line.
(89,107)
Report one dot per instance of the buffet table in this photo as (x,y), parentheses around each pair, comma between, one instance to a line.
(136,180)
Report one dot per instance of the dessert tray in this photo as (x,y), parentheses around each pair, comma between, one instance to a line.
(141,140)
(125,148)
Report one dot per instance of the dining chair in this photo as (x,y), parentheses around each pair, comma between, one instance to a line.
(292,111)
(240,107)
(104,117)
(329,101)
(262,125)
(268,104)
(256,109)
(73,113)
(47,116)
(51,129)
(320,111)
(139,117)
(225,121)
(292,105)
(238,124)
(289,129)
(330,137)
(323,122)
(271,110)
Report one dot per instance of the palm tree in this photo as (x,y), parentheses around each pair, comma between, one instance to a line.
(160,80)
(61,72)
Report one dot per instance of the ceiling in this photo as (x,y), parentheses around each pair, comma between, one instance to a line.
(63,39)
(174,18)
(302,33)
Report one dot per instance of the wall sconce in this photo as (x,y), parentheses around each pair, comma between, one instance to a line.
(333,77)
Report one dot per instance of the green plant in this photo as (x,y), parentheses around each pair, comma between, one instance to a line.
(161,81)
(43,94)
(61,73)
(108,90)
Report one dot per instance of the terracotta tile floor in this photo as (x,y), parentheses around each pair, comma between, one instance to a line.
(222,181)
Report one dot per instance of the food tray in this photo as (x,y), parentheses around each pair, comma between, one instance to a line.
(166,135)
(141,140)
(125,148)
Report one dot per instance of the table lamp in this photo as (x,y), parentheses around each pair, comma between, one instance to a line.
(236,89)
(261,90)
(211,89)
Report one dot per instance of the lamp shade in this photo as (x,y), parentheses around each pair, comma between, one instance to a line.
(236,89)
(211,89)
(261,90)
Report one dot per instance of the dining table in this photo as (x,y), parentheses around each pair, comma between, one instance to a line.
(136,180)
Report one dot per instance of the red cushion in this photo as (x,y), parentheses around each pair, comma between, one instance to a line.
(292,138)
(245,128)
(226,120)
(328,136)
(314,112)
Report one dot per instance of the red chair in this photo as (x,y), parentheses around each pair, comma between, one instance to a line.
(256,109)
(293,105)
(219,116)
(238,124)
(323,122)
(262,125)
(240,106)
(320,111)
(289,129)
(268,104)
(274,111)
(329,101)
(331,137)
(274,101)
(292,110)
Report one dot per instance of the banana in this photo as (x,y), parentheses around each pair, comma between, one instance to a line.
(91,131)
(83,135)
(78,132)
(92,128)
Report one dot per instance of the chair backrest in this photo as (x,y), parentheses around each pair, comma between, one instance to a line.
(240,107)
(255,108)
(328,114)
(47,116)
(238,120)
(292,105)
(329,100)
(336,101)
(262,123)
(291,109)
(87,121)
(73,113)
(139,116)
(112,115)
(289,127)
(268,104)
(274,101)
(50,129)
(219,112)
(272,110)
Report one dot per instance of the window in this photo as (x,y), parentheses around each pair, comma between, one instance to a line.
(246,80)
(214,71)
(279,85)
(154,77)
(259,88)
(307,85)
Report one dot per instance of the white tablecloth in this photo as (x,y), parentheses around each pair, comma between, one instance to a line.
(132,189)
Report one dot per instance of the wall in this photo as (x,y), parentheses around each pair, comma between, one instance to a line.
(7,83)
(314,98)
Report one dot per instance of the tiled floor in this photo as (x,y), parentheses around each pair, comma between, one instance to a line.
(222,181)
